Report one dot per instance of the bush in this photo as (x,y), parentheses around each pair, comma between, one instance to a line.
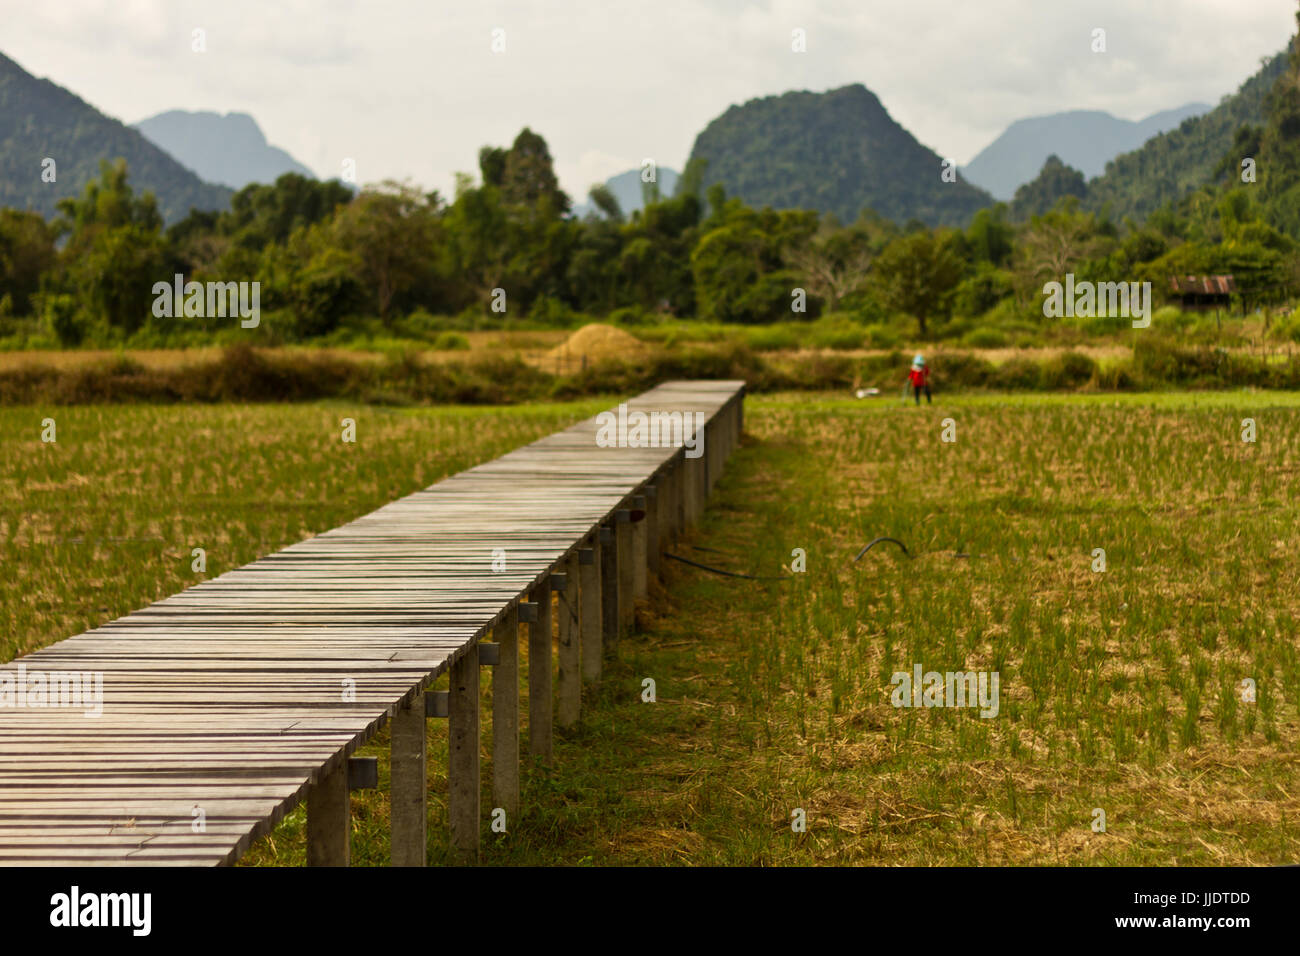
(772,338)
(955,328)
(836,331)
(1102,326)
(818,370)
(421,324)
(1116,378)
(982,291)
(1068,370)
(547,310)
(1171,315)
(632,315)
(985,339)
(63,319)
(883,337)
(1016,374)
(450,342)
(962,369)
(1159,361)
(1287,328)
(770,299)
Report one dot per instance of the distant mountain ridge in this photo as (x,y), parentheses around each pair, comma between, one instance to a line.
(40,119)
(626,188)
(1083,139)
(230,149)
(837,152)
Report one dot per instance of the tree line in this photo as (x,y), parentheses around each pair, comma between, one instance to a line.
(507,247)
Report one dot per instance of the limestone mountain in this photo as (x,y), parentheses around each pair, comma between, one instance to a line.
(838,152)
(229,149)
(40,120)
(1083,139)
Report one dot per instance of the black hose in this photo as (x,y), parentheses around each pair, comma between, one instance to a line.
(730,574)
(785,577)
(875,541)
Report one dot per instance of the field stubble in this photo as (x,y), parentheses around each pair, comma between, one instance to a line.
(1120,690)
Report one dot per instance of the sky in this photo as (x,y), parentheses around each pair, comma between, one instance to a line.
(411,90)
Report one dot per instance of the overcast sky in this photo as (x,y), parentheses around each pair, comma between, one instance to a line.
(413,89)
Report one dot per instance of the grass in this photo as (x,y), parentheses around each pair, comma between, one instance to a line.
(497,374)
(531,345)
(1119,690)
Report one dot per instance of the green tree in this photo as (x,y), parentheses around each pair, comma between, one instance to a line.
(917,274)
(492,165)
(664,232)
(833,265)
(107,203)
(1058,242)
(26,253)
(528,177)
(476,231)
(1279,146)
(117,272)
(115,251)
(991,237)
(1054,182)
(315,279)
(603,198)
(391,232)
(261,214)
(740,263)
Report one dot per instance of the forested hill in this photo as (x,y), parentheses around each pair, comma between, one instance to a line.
(1083,139)
(1053,183)
(1173,164)
(837,152)
(40,120)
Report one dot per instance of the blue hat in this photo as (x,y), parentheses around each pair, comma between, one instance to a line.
(919,360)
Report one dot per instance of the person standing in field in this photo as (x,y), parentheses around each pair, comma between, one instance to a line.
(919,378)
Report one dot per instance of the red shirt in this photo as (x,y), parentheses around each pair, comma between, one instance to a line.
(919,376)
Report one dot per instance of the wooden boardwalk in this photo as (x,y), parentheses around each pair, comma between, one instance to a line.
(227,704)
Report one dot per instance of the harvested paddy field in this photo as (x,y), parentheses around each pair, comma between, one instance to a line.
(1159,688)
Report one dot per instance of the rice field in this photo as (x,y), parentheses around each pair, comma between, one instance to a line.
(1121,690)
(1161,688)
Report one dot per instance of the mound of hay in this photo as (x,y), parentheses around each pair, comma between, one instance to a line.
(597,342)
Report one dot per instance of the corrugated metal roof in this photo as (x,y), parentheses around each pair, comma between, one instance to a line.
(1204,285)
